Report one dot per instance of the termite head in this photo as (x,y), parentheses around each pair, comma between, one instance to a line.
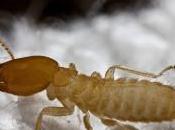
(28,75)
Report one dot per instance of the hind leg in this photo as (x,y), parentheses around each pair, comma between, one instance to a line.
(171,67)
(119,126)
(110,72)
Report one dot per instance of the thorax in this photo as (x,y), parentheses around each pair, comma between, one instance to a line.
(85,92)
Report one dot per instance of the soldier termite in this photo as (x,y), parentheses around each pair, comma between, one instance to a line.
(108,99)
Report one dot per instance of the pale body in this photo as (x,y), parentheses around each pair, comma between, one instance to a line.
(121,99)
(108,99)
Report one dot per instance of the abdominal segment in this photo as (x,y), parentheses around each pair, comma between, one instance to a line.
(138,102)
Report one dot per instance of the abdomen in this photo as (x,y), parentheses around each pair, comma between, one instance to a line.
(137,101)
(130,100)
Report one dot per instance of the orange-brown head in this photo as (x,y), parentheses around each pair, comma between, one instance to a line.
(28,75)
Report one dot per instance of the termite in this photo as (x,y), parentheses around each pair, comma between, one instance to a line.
(109,99)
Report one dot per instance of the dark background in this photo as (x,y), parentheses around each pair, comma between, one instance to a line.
(66,10)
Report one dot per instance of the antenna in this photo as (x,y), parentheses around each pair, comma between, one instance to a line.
(3,44)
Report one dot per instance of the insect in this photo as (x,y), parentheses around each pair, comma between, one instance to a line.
(107,98)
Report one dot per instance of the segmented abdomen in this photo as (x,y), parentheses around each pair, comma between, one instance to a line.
(130,100)
(138,101)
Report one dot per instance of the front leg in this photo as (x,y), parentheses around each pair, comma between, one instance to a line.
(55,111)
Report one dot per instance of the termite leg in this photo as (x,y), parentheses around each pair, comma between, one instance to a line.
(110,123)
(2,43)
(55,111)
(87,122)
(164,70)
(110,72)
